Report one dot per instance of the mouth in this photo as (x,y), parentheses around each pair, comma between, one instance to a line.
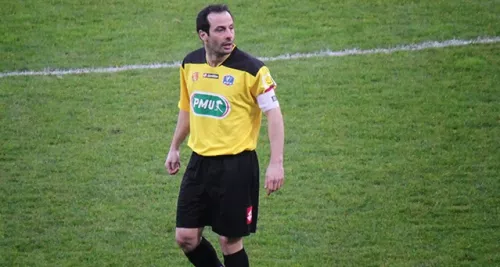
(227,46)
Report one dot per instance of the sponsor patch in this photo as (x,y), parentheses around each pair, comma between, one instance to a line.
(211,75)
(210,105)
(228,80)
(268,82)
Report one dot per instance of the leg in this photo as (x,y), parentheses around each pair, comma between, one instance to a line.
(234,253)
(188,238)
(230,245)
(237,206)
(192,214)
(196,248)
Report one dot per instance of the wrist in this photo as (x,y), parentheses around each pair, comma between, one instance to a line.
(174,148)
(276,161)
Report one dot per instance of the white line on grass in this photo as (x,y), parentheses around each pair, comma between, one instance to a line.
(327,53)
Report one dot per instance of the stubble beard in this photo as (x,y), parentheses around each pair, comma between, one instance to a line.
(217,51)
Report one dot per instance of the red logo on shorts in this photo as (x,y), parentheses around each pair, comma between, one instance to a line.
(249,215)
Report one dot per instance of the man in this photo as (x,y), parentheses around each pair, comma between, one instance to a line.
(223,93)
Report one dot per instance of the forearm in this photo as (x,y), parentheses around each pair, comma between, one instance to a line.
(181,130)
(276,131)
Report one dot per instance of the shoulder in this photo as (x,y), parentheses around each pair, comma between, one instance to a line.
(195,57)
(243,61)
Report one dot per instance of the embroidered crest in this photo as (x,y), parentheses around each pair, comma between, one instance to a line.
(228,80)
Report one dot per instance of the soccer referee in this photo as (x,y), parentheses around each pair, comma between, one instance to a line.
(223,94)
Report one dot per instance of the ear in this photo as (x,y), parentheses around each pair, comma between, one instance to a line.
(203,35)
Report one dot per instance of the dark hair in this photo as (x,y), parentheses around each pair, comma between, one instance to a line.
(202,19)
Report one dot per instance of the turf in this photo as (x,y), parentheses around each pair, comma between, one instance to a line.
(391,159)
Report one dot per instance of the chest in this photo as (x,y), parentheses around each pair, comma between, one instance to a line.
(221,81)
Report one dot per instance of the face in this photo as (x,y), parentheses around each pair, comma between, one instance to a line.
(221,38)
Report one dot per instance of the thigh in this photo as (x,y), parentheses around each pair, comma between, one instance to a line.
(239,194)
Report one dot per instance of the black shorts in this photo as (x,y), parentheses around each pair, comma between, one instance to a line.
(221,192)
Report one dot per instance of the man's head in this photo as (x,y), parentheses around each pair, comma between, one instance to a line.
(215,28)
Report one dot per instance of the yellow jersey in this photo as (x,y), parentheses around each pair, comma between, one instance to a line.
(224,115)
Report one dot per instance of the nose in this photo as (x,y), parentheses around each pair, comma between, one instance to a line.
(229,35)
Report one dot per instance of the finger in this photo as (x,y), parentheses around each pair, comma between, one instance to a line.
(267,184)
(269,191)
(280,183)
(270,185)
(173,167)
(267,187)
(276,184)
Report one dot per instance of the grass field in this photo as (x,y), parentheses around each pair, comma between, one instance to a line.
(391,159)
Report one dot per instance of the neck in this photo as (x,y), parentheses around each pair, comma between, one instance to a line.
(214,59)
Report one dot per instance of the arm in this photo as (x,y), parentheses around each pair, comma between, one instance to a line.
(276,134)
(181,130)
(172,163)
(264,90)
(275,172)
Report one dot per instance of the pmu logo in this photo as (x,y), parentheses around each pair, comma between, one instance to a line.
(210,105)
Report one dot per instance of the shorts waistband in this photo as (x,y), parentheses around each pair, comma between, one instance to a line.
(245,152)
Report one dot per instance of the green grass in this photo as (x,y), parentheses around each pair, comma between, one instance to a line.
(69,34)
(391,159)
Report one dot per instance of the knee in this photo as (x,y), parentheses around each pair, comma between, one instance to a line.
(187,239)
(230,245)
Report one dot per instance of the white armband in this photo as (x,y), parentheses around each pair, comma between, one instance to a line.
(267,101)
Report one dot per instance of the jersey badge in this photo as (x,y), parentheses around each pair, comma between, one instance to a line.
(228,80)
(268,82)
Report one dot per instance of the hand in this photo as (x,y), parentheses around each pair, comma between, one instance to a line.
(172,163)
(275,177)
